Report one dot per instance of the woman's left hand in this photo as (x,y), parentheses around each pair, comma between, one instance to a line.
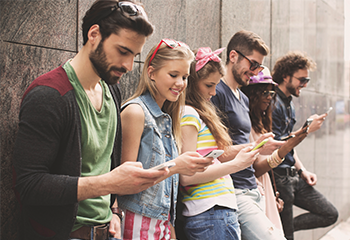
(189,163)
(115,227)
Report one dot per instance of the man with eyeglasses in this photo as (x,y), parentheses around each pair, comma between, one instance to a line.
(69,140)
(293,181)
(245,54)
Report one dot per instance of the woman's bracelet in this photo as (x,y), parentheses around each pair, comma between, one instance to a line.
(274,160)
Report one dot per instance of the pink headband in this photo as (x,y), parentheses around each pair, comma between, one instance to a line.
(204,55)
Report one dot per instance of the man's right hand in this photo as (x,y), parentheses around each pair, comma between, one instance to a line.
(128,178)
(317,122)
(131,178)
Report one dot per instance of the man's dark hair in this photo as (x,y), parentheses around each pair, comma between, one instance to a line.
(245,42)
(114,21)
(290,63)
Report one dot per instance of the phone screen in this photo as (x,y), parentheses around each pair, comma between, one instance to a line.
(164,165)
(214,153)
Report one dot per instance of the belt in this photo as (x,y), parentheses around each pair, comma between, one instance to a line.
(217,207)
(289,171)
(99,232)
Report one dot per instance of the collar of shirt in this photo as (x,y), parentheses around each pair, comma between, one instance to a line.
(285,99)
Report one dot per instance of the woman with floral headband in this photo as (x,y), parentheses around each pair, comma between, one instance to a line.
(208,197)
(151,134)
(261,93)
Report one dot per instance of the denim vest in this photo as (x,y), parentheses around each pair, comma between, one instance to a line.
(157,146)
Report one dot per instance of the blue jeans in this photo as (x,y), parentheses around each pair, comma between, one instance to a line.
(216,223)
(294,190)
(254,223)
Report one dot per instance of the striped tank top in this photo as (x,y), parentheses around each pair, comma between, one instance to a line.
(201,197)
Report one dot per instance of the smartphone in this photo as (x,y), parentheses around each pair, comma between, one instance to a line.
(164,165)
(261,144)
(329,110)
(307,122)
(287,137)
(214,154)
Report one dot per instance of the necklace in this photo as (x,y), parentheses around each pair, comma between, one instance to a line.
(234,91)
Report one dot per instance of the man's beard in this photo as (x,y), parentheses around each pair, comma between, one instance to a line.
(238,77)
(291,89)
(101,66)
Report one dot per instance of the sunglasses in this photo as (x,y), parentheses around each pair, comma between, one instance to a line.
(170,43)
(266,93)
(253,65)
(127,8)
(303,80)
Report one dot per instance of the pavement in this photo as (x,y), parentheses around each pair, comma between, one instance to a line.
(340,232)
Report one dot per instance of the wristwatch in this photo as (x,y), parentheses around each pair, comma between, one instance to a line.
(119,212)
(300,171)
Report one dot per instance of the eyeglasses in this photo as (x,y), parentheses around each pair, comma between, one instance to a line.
(253,65)
(170,43)
(303,80)
(128,9)
(266,93)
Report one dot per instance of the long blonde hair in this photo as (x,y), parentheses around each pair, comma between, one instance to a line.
(205,109)
(163,55)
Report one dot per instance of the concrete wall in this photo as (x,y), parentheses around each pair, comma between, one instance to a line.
(39,35)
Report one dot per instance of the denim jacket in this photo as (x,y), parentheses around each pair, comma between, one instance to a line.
(157,146)
(283,121)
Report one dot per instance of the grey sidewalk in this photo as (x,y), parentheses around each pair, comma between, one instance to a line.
(340,232)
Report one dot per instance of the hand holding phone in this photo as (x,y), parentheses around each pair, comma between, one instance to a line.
(260,144)
(307,122)
(164,165)
(287,137)
(215,153)
(329,110)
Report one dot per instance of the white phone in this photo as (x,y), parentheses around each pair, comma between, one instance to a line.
(329,110)
(215,153)
(164,165)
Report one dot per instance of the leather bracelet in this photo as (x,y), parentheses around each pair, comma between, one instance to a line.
(300,171)
(119,212)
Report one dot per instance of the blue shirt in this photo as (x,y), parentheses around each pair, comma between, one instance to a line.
(236,118)
(283,121)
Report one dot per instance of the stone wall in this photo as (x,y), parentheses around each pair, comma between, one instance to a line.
(39,35)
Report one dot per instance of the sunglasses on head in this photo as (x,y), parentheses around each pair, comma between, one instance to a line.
(128,9)
(303,80)
(170,43)
(266,93)
(253,65)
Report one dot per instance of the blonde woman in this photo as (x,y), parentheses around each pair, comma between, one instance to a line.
(151,132)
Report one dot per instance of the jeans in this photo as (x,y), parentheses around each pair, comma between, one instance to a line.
(254,223)
(219,223)
(294,190)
